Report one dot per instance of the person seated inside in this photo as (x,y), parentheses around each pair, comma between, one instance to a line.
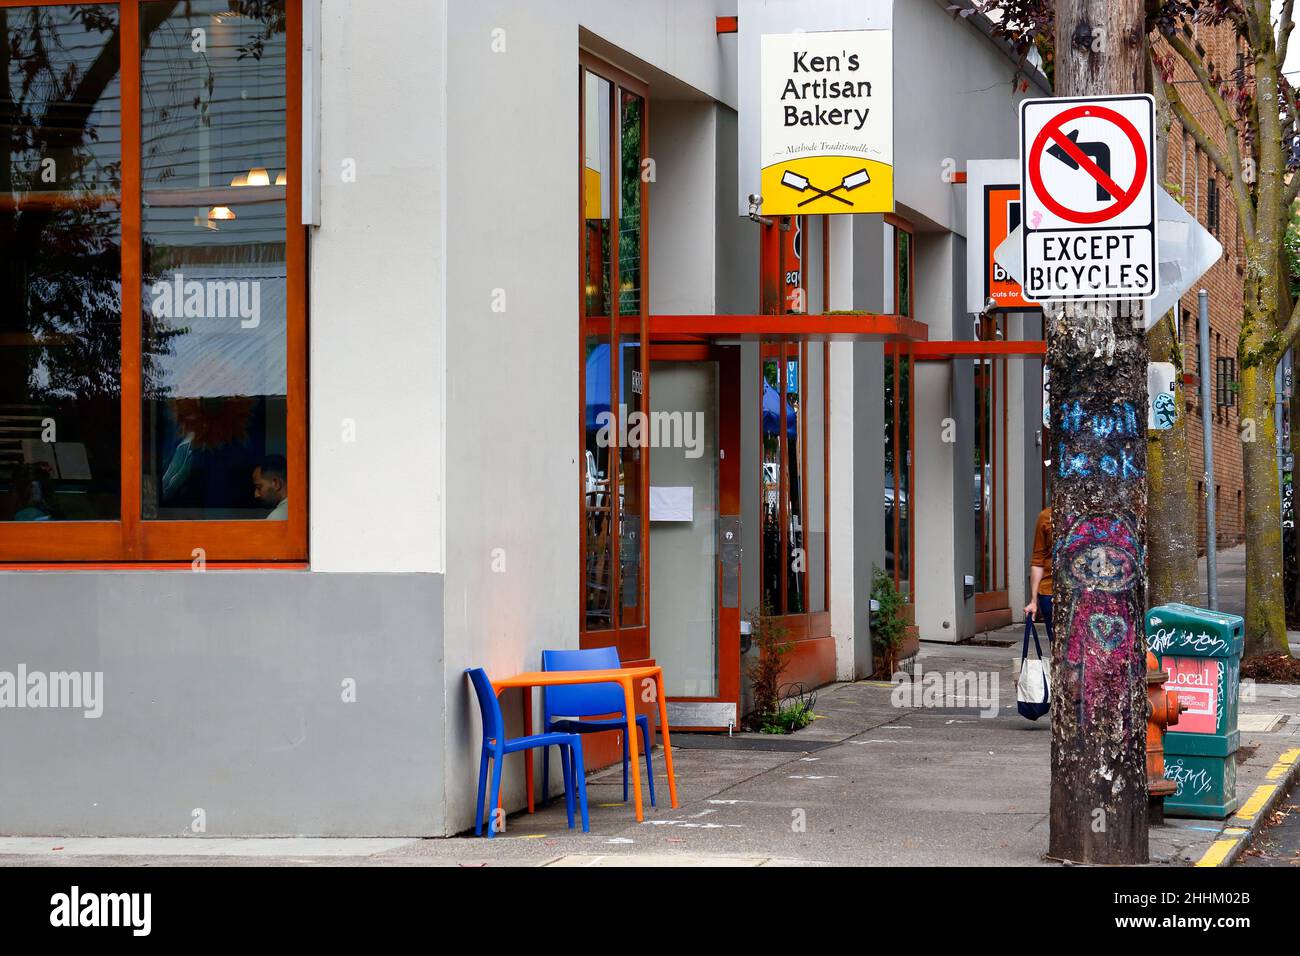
(271,486)
(32,493)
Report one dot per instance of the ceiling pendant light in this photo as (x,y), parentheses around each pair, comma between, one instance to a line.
(221,214)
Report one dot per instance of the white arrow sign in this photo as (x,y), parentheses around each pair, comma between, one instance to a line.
(1184,253)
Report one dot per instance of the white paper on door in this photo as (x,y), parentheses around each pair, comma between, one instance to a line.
(671,503)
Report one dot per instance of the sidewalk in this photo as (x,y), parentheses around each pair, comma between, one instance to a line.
(867,784)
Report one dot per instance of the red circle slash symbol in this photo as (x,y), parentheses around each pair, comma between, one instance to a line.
(1053,132)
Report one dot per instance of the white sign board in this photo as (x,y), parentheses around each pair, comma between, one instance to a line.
(1162,398)
(1088,176)
(759,18)
(827,123)
(1186,251)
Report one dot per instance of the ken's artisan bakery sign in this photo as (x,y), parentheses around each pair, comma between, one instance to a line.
(827,122)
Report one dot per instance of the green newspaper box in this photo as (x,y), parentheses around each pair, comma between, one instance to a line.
(1201,650)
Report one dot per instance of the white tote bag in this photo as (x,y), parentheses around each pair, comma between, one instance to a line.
(1034,688)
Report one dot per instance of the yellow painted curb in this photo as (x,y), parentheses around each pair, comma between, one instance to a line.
(1284,762)
(1217,853)
(1256,802)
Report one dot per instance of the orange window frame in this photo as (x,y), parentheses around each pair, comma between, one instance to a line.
(775,251)
(991,431)
(132,539)
(632,641)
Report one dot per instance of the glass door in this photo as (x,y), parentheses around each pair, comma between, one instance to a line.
(695,533)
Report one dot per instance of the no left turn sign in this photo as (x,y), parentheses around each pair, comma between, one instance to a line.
(1088,169)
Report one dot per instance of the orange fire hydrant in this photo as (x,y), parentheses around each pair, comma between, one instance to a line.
(1165,708)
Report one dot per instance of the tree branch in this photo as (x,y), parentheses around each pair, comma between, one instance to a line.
(1292,327)
(1231,172)
(1284,26)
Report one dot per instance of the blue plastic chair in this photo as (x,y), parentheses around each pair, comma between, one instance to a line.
(496,746)
(590,700)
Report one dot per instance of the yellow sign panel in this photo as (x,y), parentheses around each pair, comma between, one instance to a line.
(827,126)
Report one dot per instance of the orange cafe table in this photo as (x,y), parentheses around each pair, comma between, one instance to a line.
(624,676)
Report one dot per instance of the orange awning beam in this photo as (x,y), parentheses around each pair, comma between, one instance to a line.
(937,351)
(791,327)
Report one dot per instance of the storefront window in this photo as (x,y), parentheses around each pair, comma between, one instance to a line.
(215,269)
(898,462)
(599,509)
(793,478)
(614,390)
(631,377)
(60,265)
(152,359)
(990,464)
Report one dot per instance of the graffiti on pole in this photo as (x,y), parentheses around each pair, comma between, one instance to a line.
(1101,558)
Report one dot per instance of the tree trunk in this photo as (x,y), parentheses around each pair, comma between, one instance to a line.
(1098,363)
(1265,595)
(1171,502)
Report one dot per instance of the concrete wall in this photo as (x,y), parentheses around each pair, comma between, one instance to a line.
(953,100)
(377,310)
(224,693)
(683,198)
(736,248)
(856,482)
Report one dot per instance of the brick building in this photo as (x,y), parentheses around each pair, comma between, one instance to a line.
(1191,176)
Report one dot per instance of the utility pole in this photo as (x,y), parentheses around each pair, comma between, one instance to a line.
(1207,448)
(1097,354)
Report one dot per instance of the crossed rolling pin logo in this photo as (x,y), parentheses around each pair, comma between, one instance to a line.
(802,184)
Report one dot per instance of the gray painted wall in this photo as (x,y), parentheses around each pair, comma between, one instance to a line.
(736,248)
(223,692)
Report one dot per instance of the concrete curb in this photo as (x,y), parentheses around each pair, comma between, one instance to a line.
(1240,830)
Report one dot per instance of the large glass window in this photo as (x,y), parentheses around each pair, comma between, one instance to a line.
(614,388)
(152,359)
(60,264)
(215,415)
(793,481)
(898,466)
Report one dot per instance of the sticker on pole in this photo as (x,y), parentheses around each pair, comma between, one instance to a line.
(1089,217)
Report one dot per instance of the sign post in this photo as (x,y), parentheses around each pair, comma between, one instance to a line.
(1088,168)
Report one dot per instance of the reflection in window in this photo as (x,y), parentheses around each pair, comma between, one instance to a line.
(215,270)
(897,467)
(796,562)
(785,559)
(614,369)
(599,511)
(904,273)
(771,485)
(631,377)
(60,264)
(793,424)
